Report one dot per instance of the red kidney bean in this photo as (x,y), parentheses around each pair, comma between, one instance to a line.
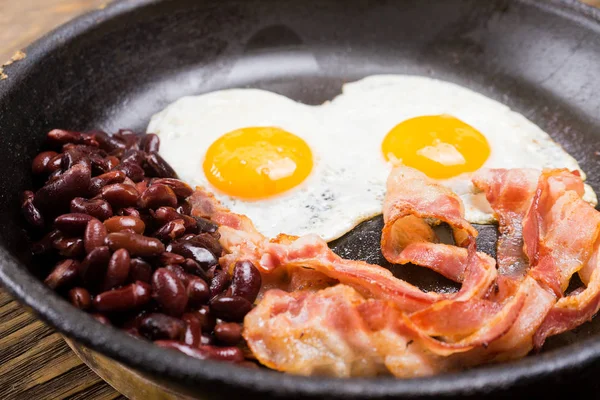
(101,318)
(158,166)
(45,244)
(141,186)
(210,242)
(58,137)
(230,308)
(120,195)
(157,196)
(69,247)
(94,235)
(184,207)
(73,156)
(150,143)
(193,330)
(64,275)
(73,224)
(198,292)
(32,215)
(132,170)
(205,225)
(120,223)
(228,333)
(97,208)
(126,298)
(40,162)
(246,281)
(108,143)
(171,230)
(206,318)
(112,162)
(203,352)
(139,270)
(169,292)
(179,273)
(80,298)
(130,212)
(108,178)
(94,265)
(180,188)
(167,258)
(219,283)
(192,267)
(133,156)
(137,245)
(130,138)
(156,326)
(54,197)
(204,257)
(118,269)
(164,215)
(54,164)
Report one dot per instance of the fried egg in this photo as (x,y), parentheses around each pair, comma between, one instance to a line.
(302,169)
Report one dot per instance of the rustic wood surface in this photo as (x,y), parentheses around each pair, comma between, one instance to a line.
(35,362)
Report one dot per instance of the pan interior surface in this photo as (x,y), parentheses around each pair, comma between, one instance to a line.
(117,67)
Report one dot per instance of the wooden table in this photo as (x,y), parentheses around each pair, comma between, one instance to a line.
(35,362)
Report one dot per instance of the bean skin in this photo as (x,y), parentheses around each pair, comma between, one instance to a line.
(181,189)
(206,318)
(193,330)
(156,196)
(150,143)
(136,245)
(158,166)
(55,197)
(120,195)
(230,308)
(94,265)
(169,292)
(73,224)
(108,143)
(204,257)
(192,267)
(219,283)
(179,273)
(184,207)
(132,170)
(80,298)
(41,161)
(164,215)
(198,292)
(246,281)
(97,208)
(167,258)
(119,223)
(108,178)
(171,230)
(139,270)
(94,235)
(118,269)
(32,215)
(205,225)
(64,275)
(228,333)
(69,247)
(156,326)
(129,297)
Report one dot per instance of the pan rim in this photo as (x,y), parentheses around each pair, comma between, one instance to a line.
(147,357)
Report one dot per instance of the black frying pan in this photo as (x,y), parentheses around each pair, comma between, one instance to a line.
(114,68)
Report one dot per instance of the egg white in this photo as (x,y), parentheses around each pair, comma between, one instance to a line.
(347,184)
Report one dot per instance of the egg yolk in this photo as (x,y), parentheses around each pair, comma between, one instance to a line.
(441,146)
(257,162)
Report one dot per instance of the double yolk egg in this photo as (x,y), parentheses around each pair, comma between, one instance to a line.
(297,169)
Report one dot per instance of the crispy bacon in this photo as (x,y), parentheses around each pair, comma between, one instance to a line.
(509,192)
(413,201)
(335,332)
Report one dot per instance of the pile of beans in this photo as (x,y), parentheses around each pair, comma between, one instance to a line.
(112,218)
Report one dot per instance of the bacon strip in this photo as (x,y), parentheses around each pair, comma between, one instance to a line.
(334,332)
(509,192)
(413,201)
